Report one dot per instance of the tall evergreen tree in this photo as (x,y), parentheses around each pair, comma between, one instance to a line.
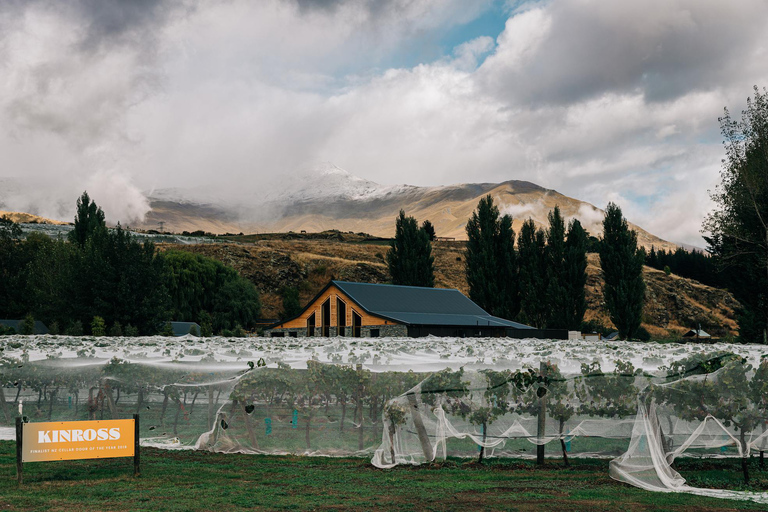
(88,220)
(534,304)
(409,258)
(622,264)
(575,274)
(556,272)
(490,261)
(739,224)
(429,229)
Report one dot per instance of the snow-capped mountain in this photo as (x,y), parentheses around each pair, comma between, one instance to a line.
(327,197)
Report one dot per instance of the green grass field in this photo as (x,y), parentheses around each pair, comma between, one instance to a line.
(217,482)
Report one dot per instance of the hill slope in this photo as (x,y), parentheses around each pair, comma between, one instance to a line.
(331,198)
(673,304)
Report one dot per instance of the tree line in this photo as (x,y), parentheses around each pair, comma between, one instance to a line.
(689,264)
(103,281)
(538,279)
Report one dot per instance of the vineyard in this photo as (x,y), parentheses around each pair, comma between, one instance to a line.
(408,401)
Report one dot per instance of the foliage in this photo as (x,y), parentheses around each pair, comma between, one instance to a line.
(556,271)
(167,329)
(622,265)
(206,325)
(608,394)
(534,299)
(98,326)
(490,261)
(429,229)
(75,329)
(575,275)
(28,325)
(291,304)
(739,224)
(197,285)
(89,221)
(116,329)
(689,264)
(409,258)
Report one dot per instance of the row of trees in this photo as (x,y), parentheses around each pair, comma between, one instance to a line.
(539,280)
(690,264)
(106,273)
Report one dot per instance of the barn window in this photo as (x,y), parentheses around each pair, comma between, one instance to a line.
(326,316)
(357,324)
(341,316)
(374,333)
(311,325)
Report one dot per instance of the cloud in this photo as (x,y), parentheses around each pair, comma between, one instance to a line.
(572,50)
(597,99)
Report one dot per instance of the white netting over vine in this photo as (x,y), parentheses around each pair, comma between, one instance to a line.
(407,401)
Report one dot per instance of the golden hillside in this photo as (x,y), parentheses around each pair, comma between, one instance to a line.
(448,208)
(28,218)
(673,304)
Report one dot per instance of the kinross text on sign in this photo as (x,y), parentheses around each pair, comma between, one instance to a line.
(70,440)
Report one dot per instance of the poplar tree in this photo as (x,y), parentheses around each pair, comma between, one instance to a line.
(429,229)
(622,265)
(575,275)
(531,247)
(556,277)
(409,258)
(88,220)
(490,260)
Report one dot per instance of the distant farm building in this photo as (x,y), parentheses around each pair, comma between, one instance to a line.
(184,328)
(373,310)
(697,334)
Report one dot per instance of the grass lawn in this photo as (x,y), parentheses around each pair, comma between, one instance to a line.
(217,482)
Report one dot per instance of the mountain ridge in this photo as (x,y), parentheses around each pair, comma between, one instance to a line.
(332,198)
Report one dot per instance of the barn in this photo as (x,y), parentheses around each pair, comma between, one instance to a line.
(372,310)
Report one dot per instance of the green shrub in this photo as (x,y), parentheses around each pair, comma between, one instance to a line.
(642,334)
(131,330)
(75,329)
(167,330)
(193,330)
(28,325)
(53,328)
(667,270)
(98,326)
(116,329)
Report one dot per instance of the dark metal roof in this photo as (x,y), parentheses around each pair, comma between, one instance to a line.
(183,328)
(421,306)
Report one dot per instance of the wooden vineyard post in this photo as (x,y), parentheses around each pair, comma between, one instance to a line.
(136,451)
(361,432)
(542,419)
(19,441)
(426,446)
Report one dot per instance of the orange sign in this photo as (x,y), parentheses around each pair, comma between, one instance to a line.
(69,440)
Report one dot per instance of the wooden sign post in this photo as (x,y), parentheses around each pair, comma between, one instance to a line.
(77,440)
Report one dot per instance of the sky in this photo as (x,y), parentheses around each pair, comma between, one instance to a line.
(598,99)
